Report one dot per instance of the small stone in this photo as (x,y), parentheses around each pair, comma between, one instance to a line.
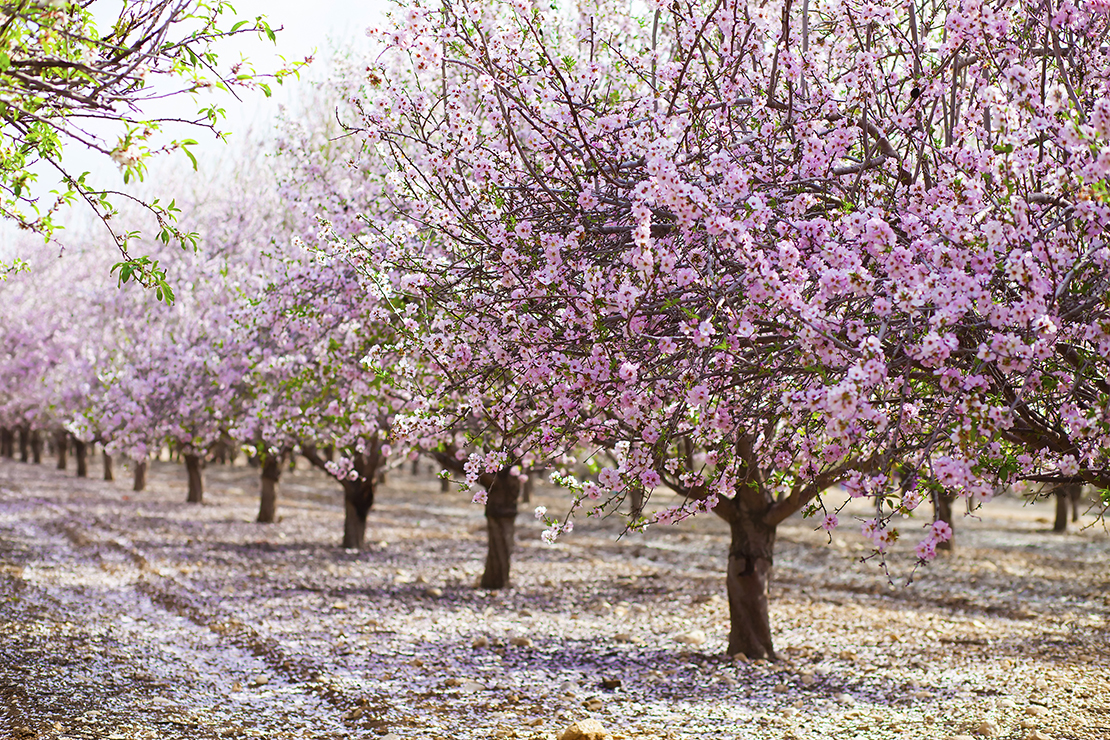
(434,592)
(339,605)
(740,658)
(808,679)
(534,722)
(525,613)
(568,687)
(417,663)
(521,642)
(471,687)
(622,637)
(481,642)
(987,728)
(259,681)
(781,688)
(959,737)
(593,704)
(1036,710)
(847,655)
(1037,735)
(610,683)
(586,729)
(845,699)
(452,682)
(1028,723)
(693,637)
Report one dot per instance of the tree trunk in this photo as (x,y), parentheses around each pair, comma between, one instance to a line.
(24,444)
(36,447)
(943,512)
(358,497)
(415,467)
(748,579)
(1076,499)
(80,452)
(271,472)
(196,481)
(108,473)
(61,444)
(503,492)
(140,475)
(1065,495)
(444,485)
(6,449)
(527,488)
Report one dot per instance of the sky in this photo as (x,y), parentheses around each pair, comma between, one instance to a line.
(306,27)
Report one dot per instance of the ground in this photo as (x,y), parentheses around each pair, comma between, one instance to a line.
(126,616)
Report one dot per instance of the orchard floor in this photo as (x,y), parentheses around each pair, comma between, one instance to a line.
(130,616)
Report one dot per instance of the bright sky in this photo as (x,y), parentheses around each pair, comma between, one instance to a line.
(306,27)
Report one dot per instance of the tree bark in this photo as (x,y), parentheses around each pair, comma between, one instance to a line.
(109,474)
(1066,497)
(24,444)
(503,493)
(196,481)
(80,453)
(942,512)
(61,444)
(358,498)
(527,488)
(6,446)
(271,472)
(140,475)
(748,580)
(36,447)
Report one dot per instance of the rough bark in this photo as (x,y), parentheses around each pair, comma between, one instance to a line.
(502,495)
(61,445)
(36,447)
(942,511)
(196,481)
(140,475)
(109,474)
(80,453)
(271,472)
(748,580)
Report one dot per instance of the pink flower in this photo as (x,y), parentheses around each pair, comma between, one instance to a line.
(942,531)
(650,479)
(830,523)
(926,549)
(697,396)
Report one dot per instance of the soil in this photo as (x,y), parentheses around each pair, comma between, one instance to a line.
(127,616)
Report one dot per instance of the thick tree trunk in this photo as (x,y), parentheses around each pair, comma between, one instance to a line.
(80,453)
(196,481)
(6,446)
(271,472)
(943,512)
(109,474)
(140,475)
(503,493)
(358,498)
(36,447)
(24,444)
(527,488)
(61,444)
(748,580)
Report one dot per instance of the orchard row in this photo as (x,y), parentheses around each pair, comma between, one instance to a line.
(744,253)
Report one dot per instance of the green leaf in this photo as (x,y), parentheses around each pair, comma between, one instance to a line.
(5,61)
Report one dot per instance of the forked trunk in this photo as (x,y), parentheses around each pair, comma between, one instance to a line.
(358,498)
(36,447)
(108,473)
(80,452)
(271,472)
(61,444)
(943,513)
(748,579)
(196,482)
(503,493)
(140,475)
(24,444)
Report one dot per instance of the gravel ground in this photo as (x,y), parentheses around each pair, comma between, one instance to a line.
(128,616)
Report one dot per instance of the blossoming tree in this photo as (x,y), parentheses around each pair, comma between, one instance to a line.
(817,242)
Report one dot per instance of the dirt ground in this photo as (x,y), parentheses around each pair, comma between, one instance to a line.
(129,616)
